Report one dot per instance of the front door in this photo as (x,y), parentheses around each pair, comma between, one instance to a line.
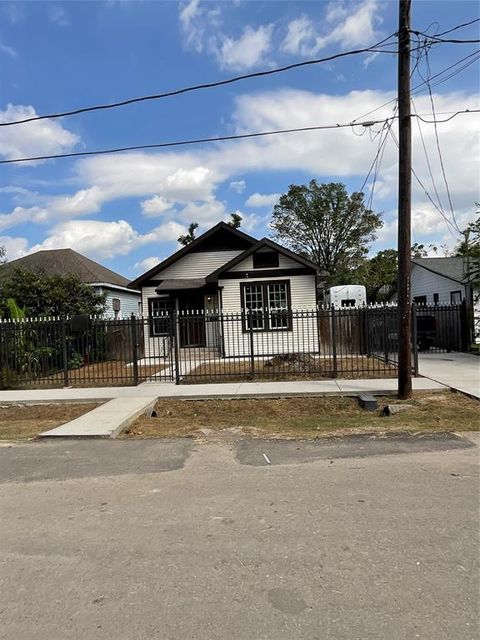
(191,321)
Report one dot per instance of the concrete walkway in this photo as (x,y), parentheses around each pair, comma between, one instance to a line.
(105,421)
(460,371)
(378,386)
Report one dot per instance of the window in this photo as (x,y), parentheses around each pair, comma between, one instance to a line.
(435,298)
(267,305)
(420,299)
(348,303)
(265,260)
(455,297)
(158,311)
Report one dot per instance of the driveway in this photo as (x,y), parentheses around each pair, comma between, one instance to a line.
(180,539)
(460,371)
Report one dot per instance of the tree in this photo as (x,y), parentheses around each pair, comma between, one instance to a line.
(379,275)
(236,220)
(40,295)
(190,235)
(469,248)
(325,224)
(3,255)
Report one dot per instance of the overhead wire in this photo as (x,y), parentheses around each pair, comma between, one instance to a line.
(207,85)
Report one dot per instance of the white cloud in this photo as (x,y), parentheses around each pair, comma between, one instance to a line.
(146,264)
(105,239)
(263,200)
(43,137)
(248,51)
(155,206)
(206,213)
(15,247)
(58,16)
(189,15)
(237,185)
(347,26)
(21,215)
(8,50)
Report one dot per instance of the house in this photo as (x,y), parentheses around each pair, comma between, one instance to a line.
(120,300)
(227,289)
(444,281)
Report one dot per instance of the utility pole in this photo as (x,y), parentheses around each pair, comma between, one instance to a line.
(404,204)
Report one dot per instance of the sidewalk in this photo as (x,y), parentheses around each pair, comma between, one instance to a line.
(460,371)
(378,386)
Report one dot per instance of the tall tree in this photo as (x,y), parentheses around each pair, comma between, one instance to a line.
(327,225)
(378,274)
(40,295)
(235,220)
(469,248)
(190,235)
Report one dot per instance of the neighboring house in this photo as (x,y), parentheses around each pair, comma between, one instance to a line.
(240,285)
(121,301)
(444,281)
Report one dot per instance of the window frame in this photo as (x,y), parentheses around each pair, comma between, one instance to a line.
(452,293)
(420,300)
(151,317)
(266,316)
(260,254)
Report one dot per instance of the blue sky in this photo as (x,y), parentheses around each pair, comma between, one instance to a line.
(127,210)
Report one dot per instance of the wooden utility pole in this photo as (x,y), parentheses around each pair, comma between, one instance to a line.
(404,204)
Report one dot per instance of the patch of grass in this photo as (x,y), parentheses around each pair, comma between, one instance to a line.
(360,367)
(24,422)
(305,418)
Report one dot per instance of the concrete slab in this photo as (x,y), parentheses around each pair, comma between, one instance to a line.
(386,386)
(104,422)
(460,371)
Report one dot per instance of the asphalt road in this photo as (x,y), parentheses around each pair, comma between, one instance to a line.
(183,540)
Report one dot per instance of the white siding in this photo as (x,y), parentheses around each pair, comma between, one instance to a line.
(156,346)
(302,338)
(284,262)
(426,283)
(197,265)
(128,302)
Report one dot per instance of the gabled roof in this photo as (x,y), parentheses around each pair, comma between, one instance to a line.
(264,242)
(452,267)
(192,247)
(54,262)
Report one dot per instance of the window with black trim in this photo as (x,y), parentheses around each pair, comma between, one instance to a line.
(265,260)
(455,297)
(267,305)
(159,310)
(348,302)
(435,298)
(420,299)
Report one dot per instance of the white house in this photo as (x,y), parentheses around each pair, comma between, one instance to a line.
(443,281)
(120,300)
(227,289)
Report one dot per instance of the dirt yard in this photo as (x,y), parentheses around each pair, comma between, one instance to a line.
(113,373)
(304,417)
(360,367)
(23,422)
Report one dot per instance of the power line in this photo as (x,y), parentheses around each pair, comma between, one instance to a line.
(445,40)
(474,57)
(459,26)
(209,85)
(437,139)
(181,143)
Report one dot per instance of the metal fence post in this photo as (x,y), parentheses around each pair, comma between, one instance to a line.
(252,348)
(414,339)
(175,346)
(134,340)
(385,335)
(334,341)
(64,351)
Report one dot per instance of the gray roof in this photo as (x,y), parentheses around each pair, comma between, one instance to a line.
(453,268)
(63,262)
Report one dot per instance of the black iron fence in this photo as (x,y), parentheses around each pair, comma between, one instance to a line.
(208,347)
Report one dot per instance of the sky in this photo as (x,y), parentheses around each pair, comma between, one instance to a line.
(127,210)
